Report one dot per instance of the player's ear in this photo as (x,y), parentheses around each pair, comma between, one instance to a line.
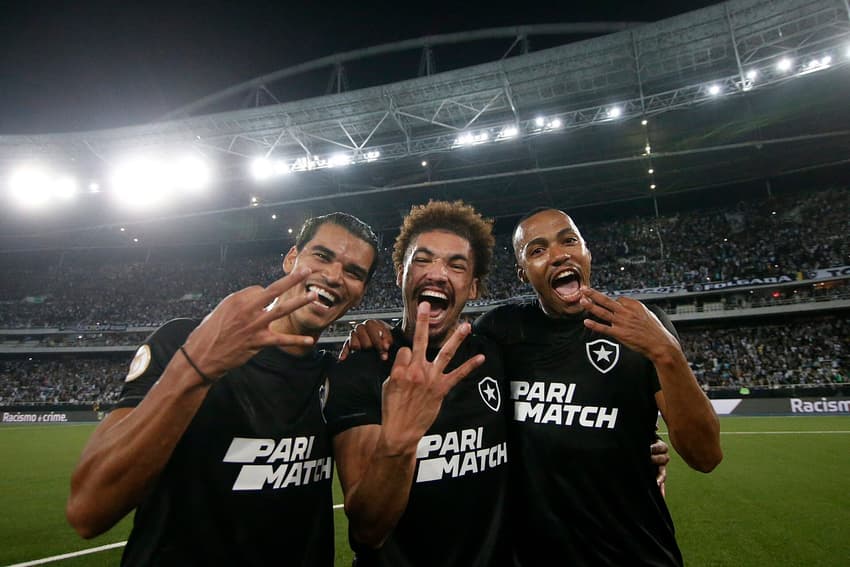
(520,273)
(473,289)
(289,260)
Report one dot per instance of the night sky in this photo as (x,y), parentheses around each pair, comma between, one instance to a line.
(85,65)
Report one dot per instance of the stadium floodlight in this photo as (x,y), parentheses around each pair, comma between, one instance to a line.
(339,160)
(289,230)
(540,122)
(652,186)
(65,188)
(644,122)
(555,124)
(30,187)
(508,132)
(615,112)
(650,171)
(94,187)
(280,167)
(255,202)
(784,65)
(262,168)
(714,90)
(141,182)
(372,155)
(424,163)
(648,149)
(122,229)
(274,217)
(752,74)
(135,239)
(190,172)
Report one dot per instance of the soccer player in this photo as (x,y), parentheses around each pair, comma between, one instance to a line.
(218,439)
(588,375)
(419,437)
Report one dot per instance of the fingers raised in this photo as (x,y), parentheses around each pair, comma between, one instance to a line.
(464,370)
(285,307)
(420,335)
(451,345)
(276,288)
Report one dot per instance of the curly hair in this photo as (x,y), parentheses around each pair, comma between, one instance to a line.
(456,217)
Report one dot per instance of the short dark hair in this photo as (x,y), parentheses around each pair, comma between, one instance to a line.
(524,218)
(456,217)
(350,223)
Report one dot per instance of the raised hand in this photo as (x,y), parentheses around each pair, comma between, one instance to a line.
(628,321)
(239,326)
(415,389)
(370,334)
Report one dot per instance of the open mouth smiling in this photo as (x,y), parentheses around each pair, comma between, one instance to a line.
(567,283)
(439,301)
(325,298)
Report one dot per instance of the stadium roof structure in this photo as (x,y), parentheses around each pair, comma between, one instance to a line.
(746,90)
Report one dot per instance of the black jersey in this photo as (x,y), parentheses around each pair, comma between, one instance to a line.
(583,416)
(249,483)
(455,513)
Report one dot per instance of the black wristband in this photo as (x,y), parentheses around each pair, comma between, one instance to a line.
(207,380)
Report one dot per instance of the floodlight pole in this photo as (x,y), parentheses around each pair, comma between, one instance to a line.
(735,43)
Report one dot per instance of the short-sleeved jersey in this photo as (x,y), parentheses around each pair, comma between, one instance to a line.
(583,416)
(249,483)
(455,512)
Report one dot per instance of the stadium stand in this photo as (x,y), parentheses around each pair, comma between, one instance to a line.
(90,308)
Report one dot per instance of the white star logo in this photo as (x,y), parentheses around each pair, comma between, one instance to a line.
(603,354)
(488,389)
(491,393)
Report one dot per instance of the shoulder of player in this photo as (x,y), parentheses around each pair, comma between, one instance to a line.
(173,332)
(361,364)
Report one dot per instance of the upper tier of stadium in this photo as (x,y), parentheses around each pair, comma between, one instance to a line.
(745,90)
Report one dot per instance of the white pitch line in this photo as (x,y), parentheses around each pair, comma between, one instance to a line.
(781,432)
(91,550)
(70,555)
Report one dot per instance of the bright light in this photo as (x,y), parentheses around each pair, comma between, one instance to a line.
(615,112)
(714,90)
(274,217)
(372,155)
(555,124)
(30,187)
(644,122)
(784,65)
(424,163)
(648,149)
(289,230)
(539,121)
(140,182)
(122,229)
(281,167)
(752,74)
(650,171)
(262,168)
(135,239)
(339,160)
(94,187)
(65,188)
(191,172)
(652,186)
(509,132)
(826,60)
(468,139)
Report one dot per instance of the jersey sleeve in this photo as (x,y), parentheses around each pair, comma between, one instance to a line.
(150,360)
(355,386)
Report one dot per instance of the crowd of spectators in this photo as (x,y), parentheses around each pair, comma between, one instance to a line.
(784,235)
(808,352)
(813,352)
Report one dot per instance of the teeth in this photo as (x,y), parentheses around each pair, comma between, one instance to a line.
(322,293)
(434,294)
(565,274)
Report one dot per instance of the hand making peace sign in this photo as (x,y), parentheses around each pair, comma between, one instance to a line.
(415,389)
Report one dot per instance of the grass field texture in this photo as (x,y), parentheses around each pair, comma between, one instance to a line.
(781,497)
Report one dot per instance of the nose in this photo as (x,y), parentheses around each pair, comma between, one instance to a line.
(332,273)
(438,270)
(560,256)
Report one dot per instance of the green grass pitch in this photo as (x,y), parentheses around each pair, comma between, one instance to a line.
(781,497)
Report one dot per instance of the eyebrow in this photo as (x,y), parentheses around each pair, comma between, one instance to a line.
(545,241)
(424,250)
(351,266)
